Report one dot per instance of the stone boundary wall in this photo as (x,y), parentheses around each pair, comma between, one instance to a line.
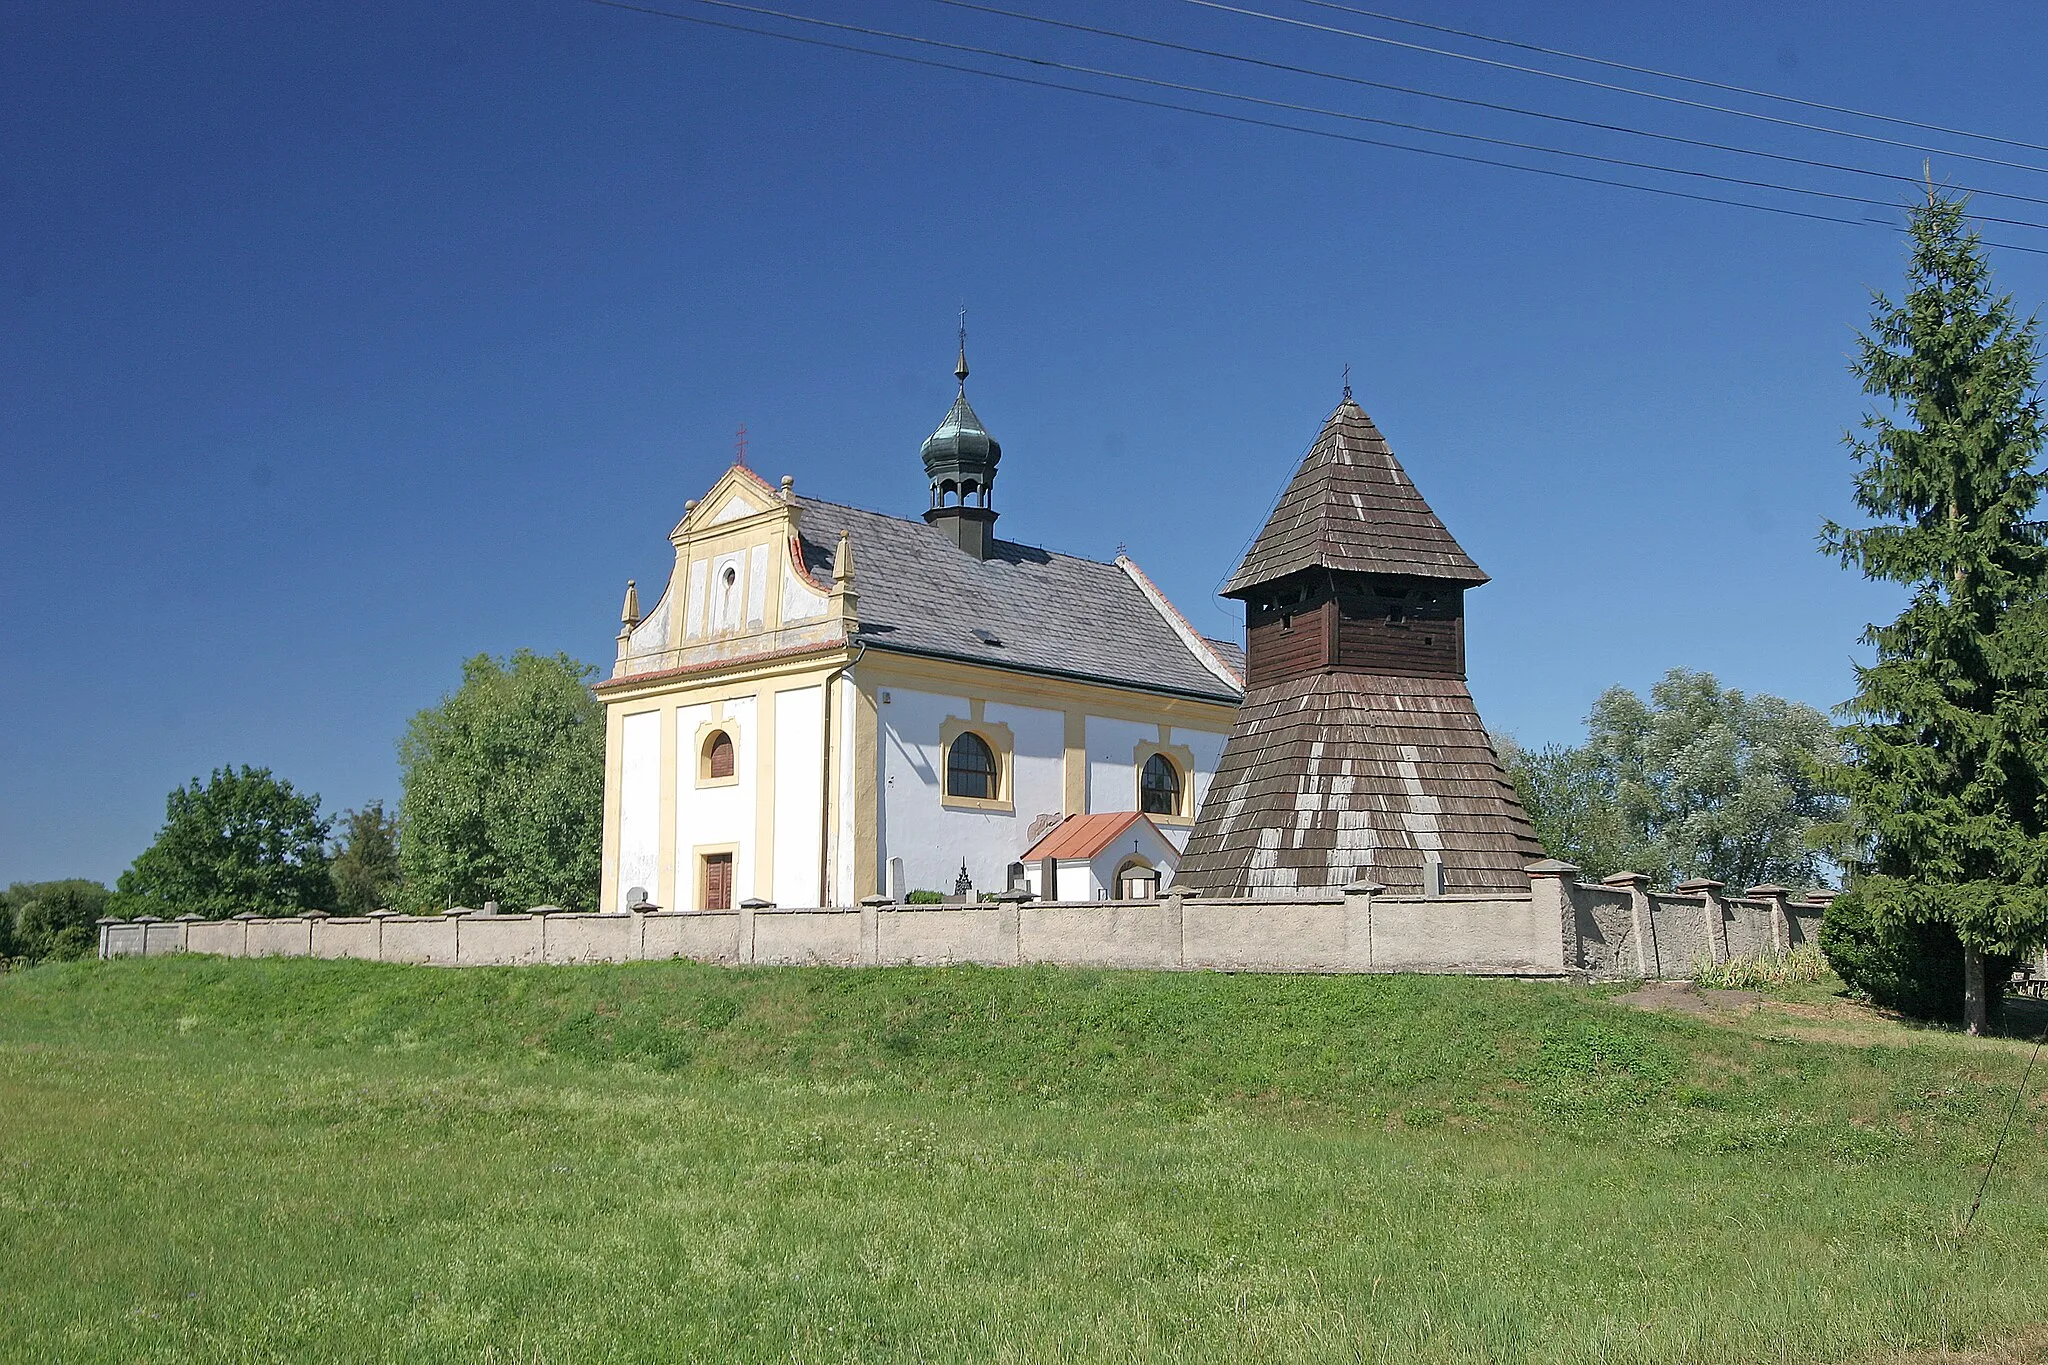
(1560,928)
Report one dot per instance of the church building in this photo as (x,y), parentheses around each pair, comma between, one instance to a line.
(827,703)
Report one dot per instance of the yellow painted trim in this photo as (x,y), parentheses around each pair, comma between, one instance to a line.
(698,853)
(947,677)
(1074,764)
(703,749)
(1183,759)
(867,747)
(742,678)
(1002,742)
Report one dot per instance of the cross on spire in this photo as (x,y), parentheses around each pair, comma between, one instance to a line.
(1347,380)
(739,445)
(960,370)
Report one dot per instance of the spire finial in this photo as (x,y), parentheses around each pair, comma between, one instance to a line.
(1347,381)
(960,370)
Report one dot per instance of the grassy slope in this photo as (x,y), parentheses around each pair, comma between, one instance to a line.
(203,1159)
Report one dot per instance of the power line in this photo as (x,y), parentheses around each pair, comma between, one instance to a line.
(1607,85)
(1314,111)
(1601,125)
(1674,76)
(1247,120)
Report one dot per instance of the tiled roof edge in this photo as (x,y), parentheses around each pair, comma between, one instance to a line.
(1189,636)
(1011,666)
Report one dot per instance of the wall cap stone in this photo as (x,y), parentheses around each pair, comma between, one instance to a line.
(1700,884)
(110,919)
(1009,897)
(187,918)
(1362,887)
(1768,891)
(1626,879)
(876,901)
(247,915)
(1551,867)
(750,903)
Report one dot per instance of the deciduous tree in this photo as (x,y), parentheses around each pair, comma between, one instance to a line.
(51,920)
(1697,781)
(244,841)
(365,861)
(1948,791)
(504,787)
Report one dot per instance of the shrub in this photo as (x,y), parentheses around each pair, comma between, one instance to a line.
(1914,968)
(925,898)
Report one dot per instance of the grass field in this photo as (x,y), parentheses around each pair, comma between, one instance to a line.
(295,1160)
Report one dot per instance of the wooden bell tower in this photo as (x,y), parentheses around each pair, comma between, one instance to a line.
(1358,753)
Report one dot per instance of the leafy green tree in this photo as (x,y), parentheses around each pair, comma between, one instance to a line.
(1570,797)
(44,921)
(365,861)
(244,841)
(1697,781)
(1947,788)
(504,787)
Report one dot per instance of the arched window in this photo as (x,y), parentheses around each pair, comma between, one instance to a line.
(971,768)
(1159,787)
(718,755)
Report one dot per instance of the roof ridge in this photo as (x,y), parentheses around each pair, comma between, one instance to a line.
(921,523)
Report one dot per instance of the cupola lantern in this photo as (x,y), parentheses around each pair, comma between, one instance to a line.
(960,459)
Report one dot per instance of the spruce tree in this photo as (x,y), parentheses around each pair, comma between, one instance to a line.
(1948,783)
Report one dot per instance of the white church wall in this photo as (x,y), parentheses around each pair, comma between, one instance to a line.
(1113,770)
(715,816)
(799,794)
(639,803)
(931,838)
(845,704)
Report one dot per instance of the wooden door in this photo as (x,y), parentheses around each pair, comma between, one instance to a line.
(718,881)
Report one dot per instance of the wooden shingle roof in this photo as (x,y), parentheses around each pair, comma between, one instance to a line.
(1352,507)
(1344,776)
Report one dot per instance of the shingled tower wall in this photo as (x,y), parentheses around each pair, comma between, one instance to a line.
(1357,753)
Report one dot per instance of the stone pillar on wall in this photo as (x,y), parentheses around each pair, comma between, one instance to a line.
(1781,930)
(1712,920)
(1638,887)
(1173,902)
(1550,883)
(871,908)
(105,923)
(1358,898)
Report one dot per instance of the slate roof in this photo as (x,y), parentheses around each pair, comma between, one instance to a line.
(1022,608)
(1340,776)
(1351,506)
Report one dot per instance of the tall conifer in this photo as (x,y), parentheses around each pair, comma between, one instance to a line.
(1949,780)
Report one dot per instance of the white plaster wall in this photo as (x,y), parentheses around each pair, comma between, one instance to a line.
(757,586)
(799,794)
(932,839)
(800,601)
(1113,777)
(693,617)
(639,803)
(843,710)
(715,815)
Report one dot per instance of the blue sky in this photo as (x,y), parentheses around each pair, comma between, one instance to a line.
(343,342)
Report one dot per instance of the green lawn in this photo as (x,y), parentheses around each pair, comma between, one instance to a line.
(292,1160)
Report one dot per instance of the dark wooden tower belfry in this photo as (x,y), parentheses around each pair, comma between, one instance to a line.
(1357,754)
